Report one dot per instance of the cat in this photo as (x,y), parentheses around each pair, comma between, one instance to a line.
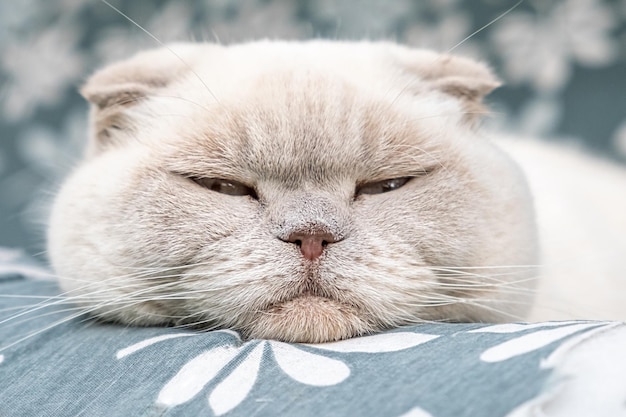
(299,191)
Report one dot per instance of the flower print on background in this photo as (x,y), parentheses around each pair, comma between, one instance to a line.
(531,341)
(40,69)
(540,48)
(302,366)
(227,373)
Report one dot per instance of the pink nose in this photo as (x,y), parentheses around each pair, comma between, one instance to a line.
(311,244)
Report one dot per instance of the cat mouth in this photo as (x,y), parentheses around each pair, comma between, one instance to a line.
(310,294)
(311,287)
(308,318)
(308,310)
(307,298)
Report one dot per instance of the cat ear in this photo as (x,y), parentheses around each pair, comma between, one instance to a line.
(464,79)
(115,89)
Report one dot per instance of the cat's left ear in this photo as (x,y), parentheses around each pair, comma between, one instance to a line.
(461,78)
(116,89)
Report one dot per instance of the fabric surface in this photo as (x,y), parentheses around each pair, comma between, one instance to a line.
(562,63)
(54,365)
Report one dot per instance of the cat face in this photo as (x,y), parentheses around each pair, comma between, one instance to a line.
(297,191)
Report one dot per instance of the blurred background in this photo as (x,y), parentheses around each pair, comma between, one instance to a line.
(563,63)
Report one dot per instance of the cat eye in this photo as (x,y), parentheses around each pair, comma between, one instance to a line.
(225,186)
(384,186)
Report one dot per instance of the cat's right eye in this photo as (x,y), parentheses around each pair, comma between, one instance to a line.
(226,186)
(384,186)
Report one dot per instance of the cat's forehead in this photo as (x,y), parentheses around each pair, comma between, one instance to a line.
(294,126)
(312,101)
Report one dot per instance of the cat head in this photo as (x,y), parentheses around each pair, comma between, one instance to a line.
(299,191)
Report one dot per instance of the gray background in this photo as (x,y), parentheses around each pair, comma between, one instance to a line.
(563,62)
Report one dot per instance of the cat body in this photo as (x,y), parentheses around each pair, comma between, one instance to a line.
(580,201)
(301,191)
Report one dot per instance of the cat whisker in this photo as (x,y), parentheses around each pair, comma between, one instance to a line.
(491,281)
(42,330)
(159,42)
(46,314)
(466,271)
(477,31)
(12,296)
(487,267)
(64,298)
(452,301)
(482,288)
(203,325)
(486,280)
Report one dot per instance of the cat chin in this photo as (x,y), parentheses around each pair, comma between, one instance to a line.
(308,319)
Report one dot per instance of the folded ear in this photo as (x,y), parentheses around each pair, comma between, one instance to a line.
(115,89)
(464,79)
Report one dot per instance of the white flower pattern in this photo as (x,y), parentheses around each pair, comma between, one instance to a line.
(541,48)
(531,341)
(300,365)
(232,370)
(28,64)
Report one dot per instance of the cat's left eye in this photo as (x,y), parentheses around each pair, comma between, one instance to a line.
(225,186)
(384,186)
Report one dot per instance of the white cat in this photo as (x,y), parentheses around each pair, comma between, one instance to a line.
(306,191)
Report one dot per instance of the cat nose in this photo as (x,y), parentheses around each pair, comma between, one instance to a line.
(311,244)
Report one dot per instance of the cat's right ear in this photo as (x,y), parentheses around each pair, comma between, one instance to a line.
(462,79)
(114,90)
